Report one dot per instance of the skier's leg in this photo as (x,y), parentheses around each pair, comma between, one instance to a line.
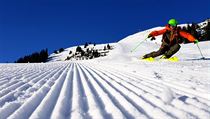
(172,50)
(153,54)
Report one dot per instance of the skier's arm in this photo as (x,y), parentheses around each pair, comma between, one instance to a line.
(187,36)
(159,32)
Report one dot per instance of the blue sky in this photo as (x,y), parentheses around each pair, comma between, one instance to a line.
(27,26)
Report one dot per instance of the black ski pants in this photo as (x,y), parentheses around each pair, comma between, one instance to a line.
(165,49)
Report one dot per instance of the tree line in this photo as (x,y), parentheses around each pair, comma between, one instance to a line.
(202,34)
(89,52)
(35,57)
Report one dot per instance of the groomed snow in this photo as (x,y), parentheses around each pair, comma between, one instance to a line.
(114,87)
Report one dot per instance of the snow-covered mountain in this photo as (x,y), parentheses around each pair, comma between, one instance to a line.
(117,86)
(126,45)
(204,23)
(64,54)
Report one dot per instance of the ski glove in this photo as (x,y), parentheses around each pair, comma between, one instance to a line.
(195,41)
(149,36)
(153,38)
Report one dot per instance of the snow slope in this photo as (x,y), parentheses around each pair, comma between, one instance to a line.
(63,55)
(114,87)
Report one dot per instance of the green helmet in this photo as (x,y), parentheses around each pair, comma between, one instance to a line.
(172,22)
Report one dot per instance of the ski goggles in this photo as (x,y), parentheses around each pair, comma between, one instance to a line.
(172,26)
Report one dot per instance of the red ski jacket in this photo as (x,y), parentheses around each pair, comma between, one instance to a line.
(180,33)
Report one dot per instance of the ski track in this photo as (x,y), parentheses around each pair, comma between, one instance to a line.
(179,88)
(145,97)
(86,90)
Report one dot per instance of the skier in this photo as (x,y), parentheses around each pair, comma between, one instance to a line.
(170,40)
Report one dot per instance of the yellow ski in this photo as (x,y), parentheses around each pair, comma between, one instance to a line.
(149,59)
(171,59)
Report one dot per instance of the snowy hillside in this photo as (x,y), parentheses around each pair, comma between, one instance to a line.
(63,55)
(117,86)
(124,46)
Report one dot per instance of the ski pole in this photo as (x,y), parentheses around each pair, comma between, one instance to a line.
(200,52)
(138,45)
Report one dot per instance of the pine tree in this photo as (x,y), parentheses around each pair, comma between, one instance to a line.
(61,50)
(86,44)
(189,28)
(193,30)
(207,30)
(78,49)
(109,47)
(70,52)
(56,52)
(104,48)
